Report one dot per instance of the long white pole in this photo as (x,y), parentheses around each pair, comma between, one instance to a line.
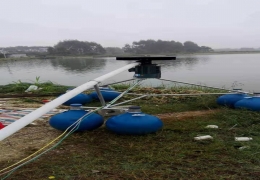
(19,124)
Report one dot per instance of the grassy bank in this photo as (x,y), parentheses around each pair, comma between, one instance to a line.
(19,87)
(168,154)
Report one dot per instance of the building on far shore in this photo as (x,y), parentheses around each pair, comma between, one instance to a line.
(16,55)
(247,49)
(43,49)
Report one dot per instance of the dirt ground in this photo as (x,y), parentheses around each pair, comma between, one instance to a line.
(184,115)
(39,133)
(33,137)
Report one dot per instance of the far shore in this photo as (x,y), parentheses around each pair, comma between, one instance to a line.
(115,55)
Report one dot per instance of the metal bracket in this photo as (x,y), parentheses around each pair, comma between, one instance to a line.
(100,96)
(113,111)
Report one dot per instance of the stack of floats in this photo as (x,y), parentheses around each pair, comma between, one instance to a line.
(67,119)
(107,93)
(133,122)
(240,100)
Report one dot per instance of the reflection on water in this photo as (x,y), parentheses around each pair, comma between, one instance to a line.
(213,70)
(188,62)
(78,65)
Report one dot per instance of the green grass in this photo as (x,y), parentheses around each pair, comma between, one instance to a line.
(172,88)
(166,104)
(168,154)
(46,87)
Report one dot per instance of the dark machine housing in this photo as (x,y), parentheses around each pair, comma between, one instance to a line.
(146,69)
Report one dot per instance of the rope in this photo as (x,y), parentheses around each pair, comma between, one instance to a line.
(34,158)
(77,123)
(46,144)
(205,86)
(61,140)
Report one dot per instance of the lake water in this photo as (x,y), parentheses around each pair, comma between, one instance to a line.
(227,70)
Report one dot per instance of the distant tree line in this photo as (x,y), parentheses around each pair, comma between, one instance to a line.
(17,49)
(28,50)
(154,47)
(75,47)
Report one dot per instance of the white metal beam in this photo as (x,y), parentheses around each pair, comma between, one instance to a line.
(19,124)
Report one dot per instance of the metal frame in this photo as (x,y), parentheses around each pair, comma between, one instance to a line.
(100,96)
(16,126)
(24,121)
(117,108)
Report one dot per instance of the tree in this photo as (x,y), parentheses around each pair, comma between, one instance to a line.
(127,48)
(178,47)
(75,47)
(190,46)
(114,50)
(96,48)
(151,46)
(205,49)
(51,50)
(62,51)
(3,53)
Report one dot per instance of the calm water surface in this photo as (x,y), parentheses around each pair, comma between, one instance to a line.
(229,70)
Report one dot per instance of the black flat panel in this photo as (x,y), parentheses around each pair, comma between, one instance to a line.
(142,58)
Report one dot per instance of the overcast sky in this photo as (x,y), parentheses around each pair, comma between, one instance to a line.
(214,23)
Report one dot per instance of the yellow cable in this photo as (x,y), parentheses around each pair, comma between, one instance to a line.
(47,144)
(36,151)
(62,133)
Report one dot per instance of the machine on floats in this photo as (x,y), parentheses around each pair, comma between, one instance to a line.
(143,68)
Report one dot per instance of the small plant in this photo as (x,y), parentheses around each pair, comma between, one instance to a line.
(17,82)
(37,80)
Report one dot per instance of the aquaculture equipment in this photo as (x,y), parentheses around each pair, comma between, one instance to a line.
(66,119)
(134,122)
(249,103)
(230,99)
(107,93)
(12,128)
(146,69)
(79,99)
(142,68)
(131,122)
